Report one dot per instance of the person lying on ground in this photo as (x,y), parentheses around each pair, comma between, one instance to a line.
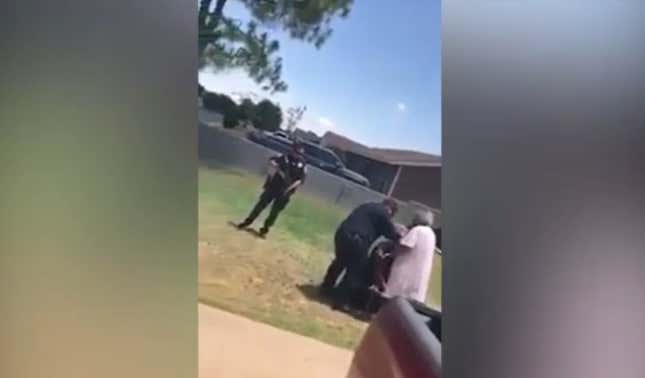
(413,256)
(352,241)
(286,173)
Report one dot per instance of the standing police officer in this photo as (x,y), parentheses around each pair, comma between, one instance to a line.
(290,172)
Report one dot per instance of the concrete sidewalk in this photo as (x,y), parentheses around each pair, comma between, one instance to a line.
(231,346)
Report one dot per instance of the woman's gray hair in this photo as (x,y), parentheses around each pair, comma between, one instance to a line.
(423,218)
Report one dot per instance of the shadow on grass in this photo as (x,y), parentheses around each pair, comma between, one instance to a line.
(312,293)
(250,231)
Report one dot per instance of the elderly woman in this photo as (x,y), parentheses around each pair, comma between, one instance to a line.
(410,271)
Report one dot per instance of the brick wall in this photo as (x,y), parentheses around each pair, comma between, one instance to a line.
(420,184)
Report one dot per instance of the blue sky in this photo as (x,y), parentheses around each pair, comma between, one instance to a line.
(377,79)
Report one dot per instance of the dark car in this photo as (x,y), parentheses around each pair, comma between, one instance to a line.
(403,341)
(281,134)
(315,155)
(277,144)
(354,177)
(325,159)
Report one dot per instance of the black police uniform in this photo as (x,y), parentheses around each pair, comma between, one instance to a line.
(291,168)
(352,240)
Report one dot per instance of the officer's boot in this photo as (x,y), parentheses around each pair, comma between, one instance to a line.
(244,224)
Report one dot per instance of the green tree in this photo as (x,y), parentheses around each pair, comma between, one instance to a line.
(268,116)
(226,43)
(223,105)
(247,110)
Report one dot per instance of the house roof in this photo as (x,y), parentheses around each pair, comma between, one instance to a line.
(384,155)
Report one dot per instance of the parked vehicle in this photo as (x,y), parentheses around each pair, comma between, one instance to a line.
(281,134)
(403,341)
(354,177)
(327,160)
(276,144)
(281,137)
(315,155)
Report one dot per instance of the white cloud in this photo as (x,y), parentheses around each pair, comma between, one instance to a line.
(401,106)
(237,84)
(326,122)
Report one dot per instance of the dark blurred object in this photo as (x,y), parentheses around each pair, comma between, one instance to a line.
(380,263)
(377,271)
(437,232)
(399,343)
(433,316)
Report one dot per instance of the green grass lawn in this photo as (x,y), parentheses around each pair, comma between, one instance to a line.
(273,280)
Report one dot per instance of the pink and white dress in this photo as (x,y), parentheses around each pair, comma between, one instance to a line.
(410,273)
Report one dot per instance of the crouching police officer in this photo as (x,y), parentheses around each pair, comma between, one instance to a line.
(290,172)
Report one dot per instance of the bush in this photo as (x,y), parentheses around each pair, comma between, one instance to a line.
(230,122)
(268,116)
(264,115)
(223,105)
